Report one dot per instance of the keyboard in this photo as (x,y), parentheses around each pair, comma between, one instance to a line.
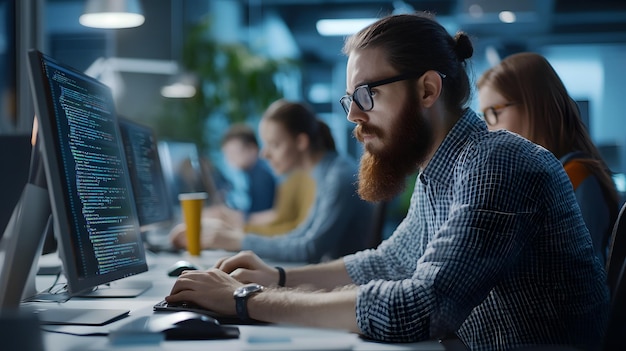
(164,306)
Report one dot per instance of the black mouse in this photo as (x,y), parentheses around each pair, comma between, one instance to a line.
(177,268)
(191,326)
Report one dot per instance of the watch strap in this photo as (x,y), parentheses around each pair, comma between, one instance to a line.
(241,306)
(241,300)
(281,276)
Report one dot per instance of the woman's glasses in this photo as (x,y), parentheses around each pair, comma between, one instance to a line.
(490,114)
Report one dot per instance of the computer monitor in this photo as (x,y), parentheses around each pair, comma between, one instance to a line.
(92,204)
(154,208)
(186,171)
(181,169)
(146,176)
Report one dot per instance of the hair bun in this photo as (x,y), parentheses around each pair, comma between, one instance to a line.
(463,46)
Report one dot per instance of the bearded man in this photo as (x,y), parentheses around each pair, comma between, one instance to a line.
(493,249)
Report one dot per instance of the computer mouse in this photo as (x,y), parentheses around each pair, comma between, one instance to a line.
(177,268)
(191,326)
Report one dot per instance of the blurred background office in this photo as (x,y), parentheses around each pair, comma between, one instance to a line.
(233,57)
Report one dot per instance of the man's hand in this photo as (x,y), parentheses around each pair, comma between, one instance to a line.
(247,267)
(231,219)
(212,289)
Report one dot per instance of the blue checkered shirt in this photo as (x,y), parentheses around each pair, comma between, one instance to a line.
(493,249)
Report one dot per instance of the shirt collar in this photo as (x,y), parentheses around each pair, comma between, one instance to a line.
(466,129)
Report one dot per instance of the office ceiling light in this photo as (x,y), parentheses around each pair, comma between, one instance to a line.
(349,26)
(507,16)
(346,26)
(182,86)
(112,14)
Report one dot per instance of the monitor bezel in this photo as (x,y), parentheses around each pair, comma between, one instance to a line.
(55,177)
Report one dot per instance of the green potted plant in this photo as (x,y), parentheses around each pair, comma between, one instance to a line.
(234,83)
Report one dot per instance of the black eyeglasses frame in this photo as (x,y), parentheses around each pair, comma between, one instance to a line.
(347,99)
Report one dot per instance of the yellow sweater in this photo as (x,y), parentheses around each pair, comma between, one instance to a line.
(293,201)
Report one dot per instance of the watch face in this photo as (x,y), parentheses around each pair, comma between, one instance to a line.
(247,290)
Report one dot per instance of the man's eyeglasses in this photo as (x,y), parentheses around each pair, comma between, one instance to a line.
(362,95)
(490,114)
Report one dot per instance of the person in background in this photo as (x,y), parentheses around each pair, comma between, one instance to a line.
(296,193)
(493,248)
(241,150)
(295,139)
(524,94)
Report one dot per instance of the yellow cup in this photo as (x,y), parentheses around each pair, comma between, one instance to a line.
(191,204)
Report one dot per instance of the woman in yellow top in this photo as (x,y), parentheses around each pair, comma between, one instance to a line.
(293,201)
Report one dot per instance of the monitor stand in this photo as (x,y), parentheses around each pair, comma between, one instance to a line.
(111,290)
(122,288)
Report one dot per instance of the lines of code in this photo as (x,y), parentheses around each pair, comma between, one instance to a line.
(145,174)
(100,205)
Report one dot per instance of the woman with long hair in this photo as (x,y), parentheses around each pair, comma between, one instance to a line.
(524,94)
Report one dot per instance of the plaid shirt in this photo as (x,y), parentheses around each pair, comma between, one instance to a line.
(493,248)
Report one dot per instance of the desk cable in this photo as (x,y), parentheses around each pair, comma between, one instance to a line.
(74,334)
(57,292)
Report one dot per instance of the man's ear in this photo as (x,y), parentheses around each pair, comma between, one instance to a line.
(430,86)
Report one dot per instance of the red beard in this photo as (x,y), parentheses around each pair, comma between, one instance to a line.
(382,173)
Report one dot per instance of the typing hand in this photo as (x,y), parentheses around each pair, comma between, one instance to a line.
(247,267)
(212,289)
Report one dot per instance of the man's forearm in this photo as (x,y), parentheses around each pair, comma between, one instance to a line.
(324,276)
(335,309)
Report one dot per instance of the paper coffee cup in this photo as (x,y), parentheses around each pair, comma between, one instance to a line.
(191,204)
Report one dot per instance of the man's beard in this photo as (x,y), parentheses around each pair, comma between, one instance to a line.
(383,173)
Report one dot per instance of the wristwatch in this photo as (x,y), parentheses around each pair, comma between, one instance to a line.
(241,296)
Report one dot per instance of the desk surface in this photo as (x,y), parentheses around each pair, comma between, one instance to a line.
(253,337)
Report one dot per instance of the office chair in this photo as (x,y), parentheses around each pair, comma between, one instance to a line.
(617,250)
(616,278)
(379,215)
(615,338)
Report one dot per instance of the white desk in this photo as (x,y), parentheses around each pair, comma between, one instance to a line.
(291,338)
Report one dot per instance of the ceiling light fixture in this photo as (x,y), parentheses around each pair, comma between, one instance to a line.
(181,86)
(349,26)
(507,16)
(335,27)
(112,14)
